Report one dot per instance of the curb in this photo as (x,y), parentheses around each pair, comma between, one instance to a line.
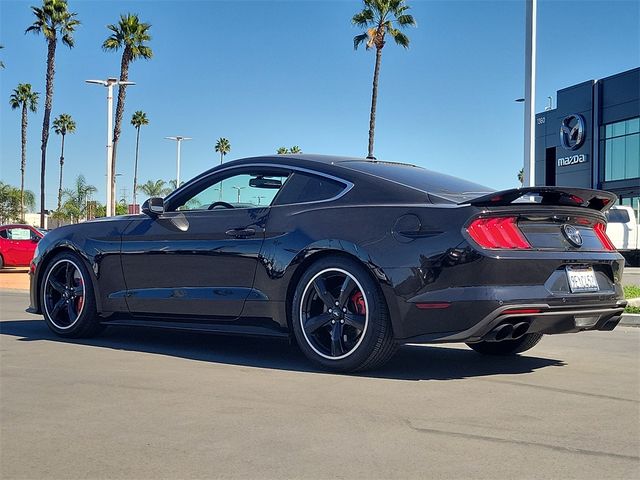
(630,320)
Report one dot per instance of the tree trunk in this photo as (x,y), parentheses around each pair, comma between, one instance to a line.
(374,101)
(221,158)
(122,93)
(135,168)
(60,183)
(23,161)
(51,57)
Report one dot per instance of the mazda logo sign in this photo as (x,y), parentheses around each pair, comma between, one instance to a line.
(572,234)
(572,132)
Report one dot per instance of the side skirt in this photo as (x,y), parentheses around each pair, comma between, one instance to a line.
(225,329)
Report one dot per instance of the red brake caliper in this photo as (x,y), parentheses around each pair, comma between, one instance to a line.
(80,299)
(358,303)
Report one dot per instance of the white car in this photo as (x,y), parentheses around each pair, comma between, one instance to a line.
(622,229)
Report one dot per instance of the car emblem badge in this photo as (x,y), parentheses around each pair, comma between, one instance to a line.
(572,132)
(572,235)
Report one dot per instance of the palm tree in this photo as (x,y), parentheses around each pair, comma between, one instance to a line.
(25,98)
(173,185)
(1,62)
(12,200)
(53,19)
(378,17)
(130,35)
(223,146)
(156,188)
(521,176)
(62,125)
(137,120)
(282,151)
(77,199)
(295,149)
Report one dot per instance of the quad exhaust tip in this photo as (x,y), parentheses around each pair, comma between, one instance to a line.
(519,330)
(507,331)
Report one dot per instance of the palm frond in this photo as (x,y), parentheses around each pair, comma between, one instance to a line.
(139,118)
(363,19)
(379,17)
(406,20)
(358,39)
(64,124)
(53,18)
(399,37)
(129,32)
(23,95)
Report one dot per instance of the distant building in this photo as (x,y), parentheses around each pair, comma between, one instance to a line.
(592,138)
(33,219)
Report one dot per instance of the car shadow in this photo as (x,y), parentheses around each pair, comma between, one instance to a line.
(411,362)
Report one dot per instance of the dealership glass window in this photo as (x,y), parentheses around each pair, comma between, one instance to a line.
(621,149)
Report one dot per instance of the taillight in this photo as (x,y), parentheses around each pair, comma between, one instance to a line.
(498,232)
(601,232)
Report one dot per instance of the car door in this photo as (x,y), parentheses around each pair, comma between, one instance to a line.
(20,246)
(6,248)
(198,258)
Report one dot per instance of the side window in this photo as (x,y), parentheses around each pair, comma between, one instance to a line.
(19,234)
(3,233)
(239,191)
(304,187)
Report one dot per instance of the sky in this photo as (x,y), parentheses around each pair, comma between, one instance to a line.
(269,73)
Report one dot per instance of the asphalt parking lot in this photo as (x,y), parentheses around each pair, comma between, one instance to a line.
(151,404)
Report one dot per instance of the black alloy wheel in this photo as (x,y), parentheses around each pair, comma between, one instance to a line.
(64,294)
(340,318)
(67,298)
(333,313)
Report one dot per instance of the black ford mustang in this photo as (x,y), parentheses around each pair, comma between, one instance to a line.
(349,257)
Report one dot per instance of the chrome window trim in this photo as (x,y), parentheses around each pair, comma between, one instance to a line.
(348,185)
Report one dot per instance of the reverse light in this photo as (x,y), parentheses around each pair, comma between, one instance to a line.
(601,232)
(498,232)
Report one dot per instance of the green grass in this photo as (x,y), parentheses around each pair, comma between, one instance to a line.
(631,291)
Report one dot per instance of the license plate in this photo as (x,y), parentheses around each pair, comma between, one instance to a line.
(582,279)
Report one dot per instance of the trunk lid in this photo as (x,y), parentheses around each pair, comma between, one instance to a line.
(546,218)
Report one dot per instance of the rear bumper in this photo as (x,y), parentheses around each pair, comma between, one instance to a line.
(550,320)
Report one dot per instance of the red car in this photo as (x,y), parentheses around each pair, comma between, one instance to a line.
(17,244)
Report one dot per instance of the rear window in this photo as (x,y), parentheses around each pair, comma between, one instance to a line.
(303,187)
(617,216)
(444,186)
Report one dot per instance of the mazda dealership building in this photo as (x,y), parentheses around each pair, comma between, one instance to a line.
(592,138)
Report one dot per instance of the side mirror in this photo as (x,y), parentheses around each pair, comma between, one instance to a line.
(153,206)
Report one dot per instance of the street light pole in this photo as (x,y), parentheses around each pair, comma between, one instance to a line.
(238,189)
(531,7)
(178,139)
(109,83)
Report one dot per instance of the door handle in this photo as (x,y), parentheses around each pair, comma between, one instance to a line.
(241,232)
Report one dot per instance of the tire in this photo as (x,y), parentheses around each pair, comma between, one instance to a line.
(1,262)
(355,336)
(507,347)
(62,295)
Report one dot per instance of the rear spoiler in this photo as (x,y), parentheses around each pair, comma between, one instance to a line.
(569,196)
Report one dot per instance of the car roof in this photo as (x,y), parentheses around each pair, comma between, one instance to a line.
(18,225)
(407,176)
